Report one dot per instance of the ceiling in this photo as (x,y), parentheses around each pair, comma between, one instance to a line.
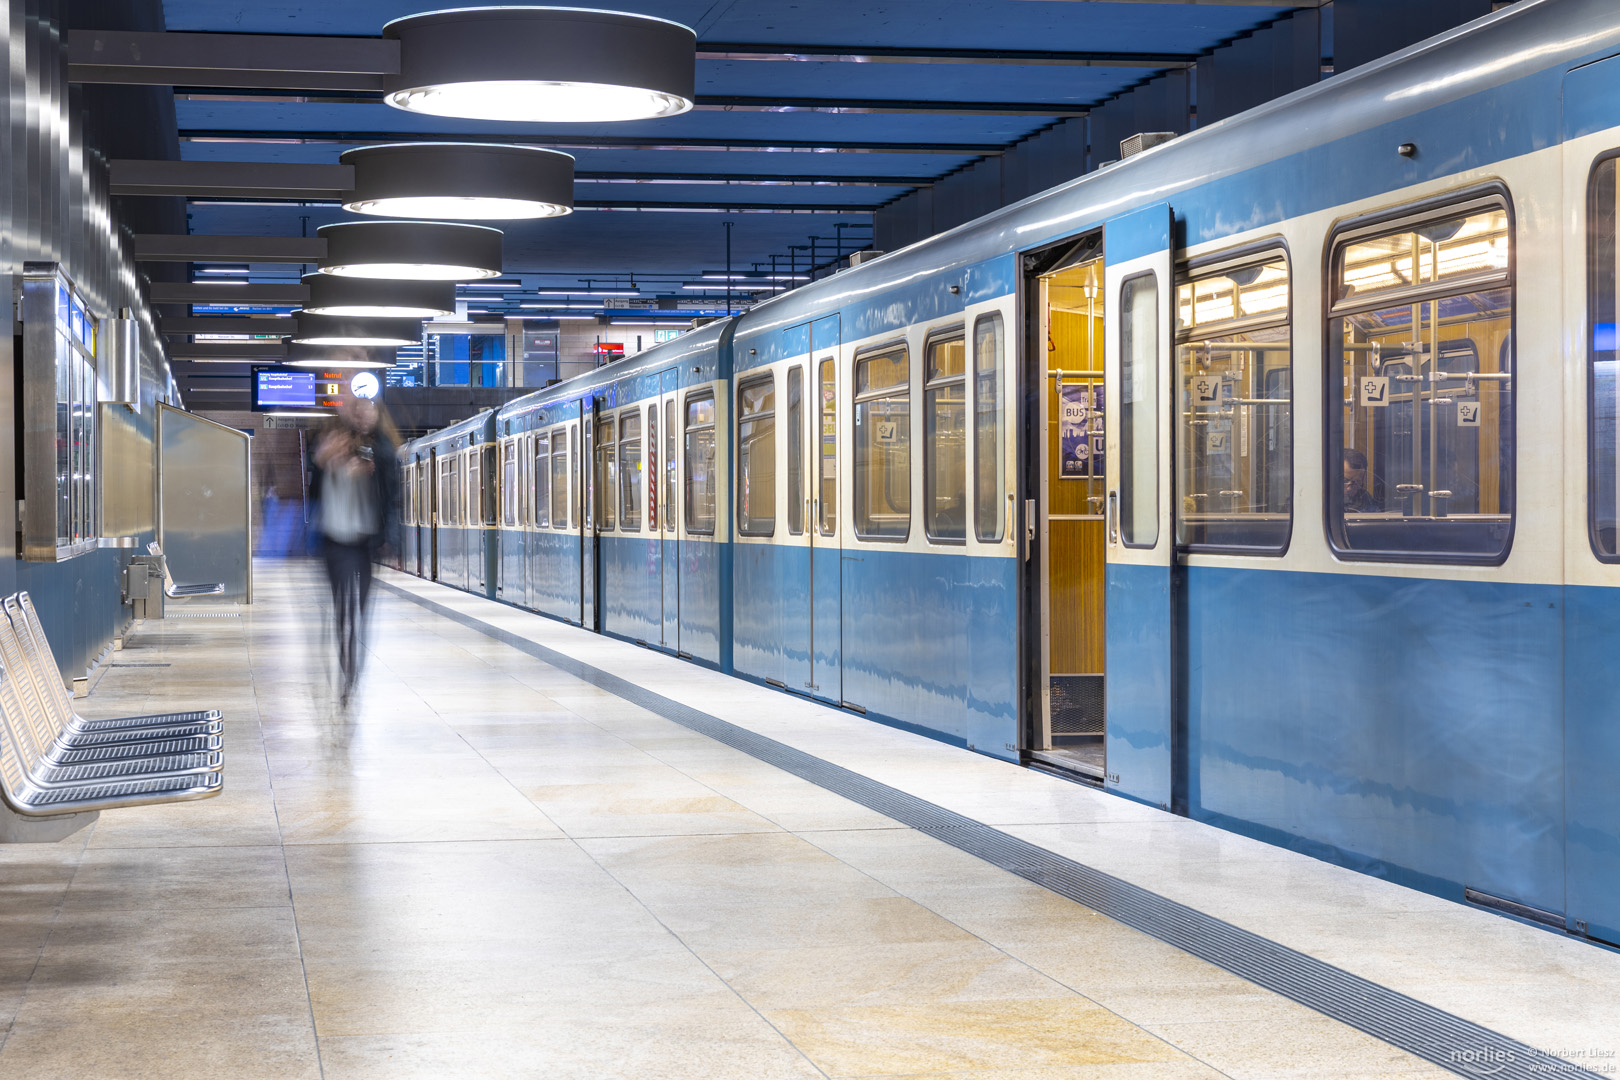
(788,142)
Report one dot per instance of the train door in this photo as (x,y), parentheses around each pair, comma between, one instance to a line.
(1066,476)
(662,514)
(433,514)
(1142,744)
(584,471)
(820,404)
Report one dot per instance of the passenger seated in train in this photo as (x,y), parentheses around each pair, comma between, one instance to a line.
(1357,499)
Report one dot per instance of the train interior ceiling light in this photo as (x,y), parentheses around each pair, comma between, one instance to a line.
(542,65)
(331,330)
(460,181)
(411,250)
(373,298)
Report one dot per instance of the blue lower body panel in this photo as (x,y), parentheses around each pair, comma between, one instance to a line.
(1592,732)
(1137,735)
(1409,728)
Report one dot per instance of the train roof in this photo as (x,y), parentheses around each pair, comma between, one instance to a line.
(475,423)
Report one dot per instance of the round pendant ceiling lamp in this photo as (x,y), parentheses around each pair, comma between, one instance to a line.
(411,250)
(334,330)
(460,181)
(339,358)
(542,65)
(376,298)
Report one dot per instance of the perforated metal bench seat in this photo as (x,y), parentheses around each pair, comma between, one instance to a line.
(196,744)
(47,774)
(181,592)
(78,740)
(34,800)
(114,723)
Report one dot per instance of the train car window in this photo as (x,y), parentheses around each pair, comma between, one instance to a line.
(542,480)
(606,474)
(1420,398)
(700,463)
(1139,411)
(1603,385)
(559,479)
(989,436)
(883,444)
(509,484)
(449,491)
(827,458)
(424,498)
(630,471)
(1235,438)
(473,490)
(945,439)
(669,465)
(756,456)
(795,451)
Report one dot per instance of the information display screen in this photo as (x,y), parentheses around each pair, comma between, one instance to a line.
(305,389)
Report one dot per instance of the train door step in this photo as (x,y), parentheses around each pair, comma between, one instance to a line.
(1070,765)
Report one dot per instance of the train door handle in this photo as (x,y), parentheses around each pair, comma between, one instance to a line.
(1029,528)
(1111,517)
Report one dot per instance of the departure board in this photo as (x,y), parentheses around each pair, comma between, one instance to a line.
(306,389)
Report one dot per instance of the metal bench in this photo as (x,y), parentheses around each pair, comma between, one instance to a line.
(48,767)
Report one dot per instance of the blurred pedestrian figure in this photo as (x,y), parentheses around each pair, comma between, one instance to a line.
(355,488)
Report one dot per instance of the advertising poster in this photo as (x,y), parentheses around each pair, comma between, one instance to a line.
(1080,431)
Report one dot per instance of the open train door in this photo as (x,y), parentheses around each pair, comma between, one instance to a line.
(1139,552)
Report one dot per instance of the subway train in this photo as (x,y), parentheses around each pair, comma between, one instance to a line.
(1209,476)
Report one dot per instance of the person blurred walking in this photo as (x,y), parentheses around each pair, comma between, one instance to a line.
(355,487)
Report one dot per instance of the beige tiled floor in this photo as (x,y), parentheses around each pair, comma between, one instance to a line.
(489,869)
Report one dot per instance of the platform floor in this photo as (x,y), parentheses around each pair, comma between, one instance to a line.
(491,867)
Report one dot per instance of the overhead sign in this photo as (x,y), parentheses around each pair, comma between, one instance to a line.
(305,389)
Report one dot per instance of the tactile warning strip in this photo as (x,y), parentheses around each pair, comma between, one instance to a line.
(1447,1040)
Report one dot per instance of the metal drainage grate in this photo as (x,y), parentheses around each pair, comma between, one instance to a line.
(204,615)
(1445,1039)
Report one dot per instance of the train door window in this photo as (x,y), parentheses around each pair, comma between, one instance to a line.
(1138,411)
(542,480)
(756,456)
(487,492)
(1420,405)
(989,436)
(1235,445)
(655,507)
(795,450)
(1603,372)
(945,439)
(559,479)
(669,465)
(606,474)
(700,463)
(883,444)
(509,484)
(449,489)
(630,471)
(827,440)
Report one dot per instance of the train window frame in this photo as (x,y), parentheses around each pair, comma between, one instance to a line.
(694,521)
(606,472)
(509,484)
(1608,159)
(632,469)
(945,335)
(752,526)
(1248,256)
(1410,217)
(857,400)
(541,457)
(795,451)
(993,504)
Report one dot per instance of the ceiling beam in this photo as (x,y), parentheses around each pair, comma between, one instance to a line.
(226,292)
(231,179)
(176,247)
(226,324)
(560,141)
(847,54)
(314,62)
(227,352)
(302,62)
(714,103)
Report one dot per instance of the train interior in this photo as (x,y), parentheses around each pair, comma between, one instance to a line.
(1069,732)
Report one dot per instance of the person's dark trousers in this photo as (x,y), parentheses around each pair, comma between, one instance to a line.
(348,567)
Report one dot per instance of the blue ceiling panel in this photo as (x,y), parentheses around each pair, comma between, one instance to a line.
(1044,83)
(996,24)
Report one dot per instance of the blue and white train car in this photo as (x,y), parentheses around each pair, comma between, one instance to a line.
(1269,475)
(612,511)
(448,511)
